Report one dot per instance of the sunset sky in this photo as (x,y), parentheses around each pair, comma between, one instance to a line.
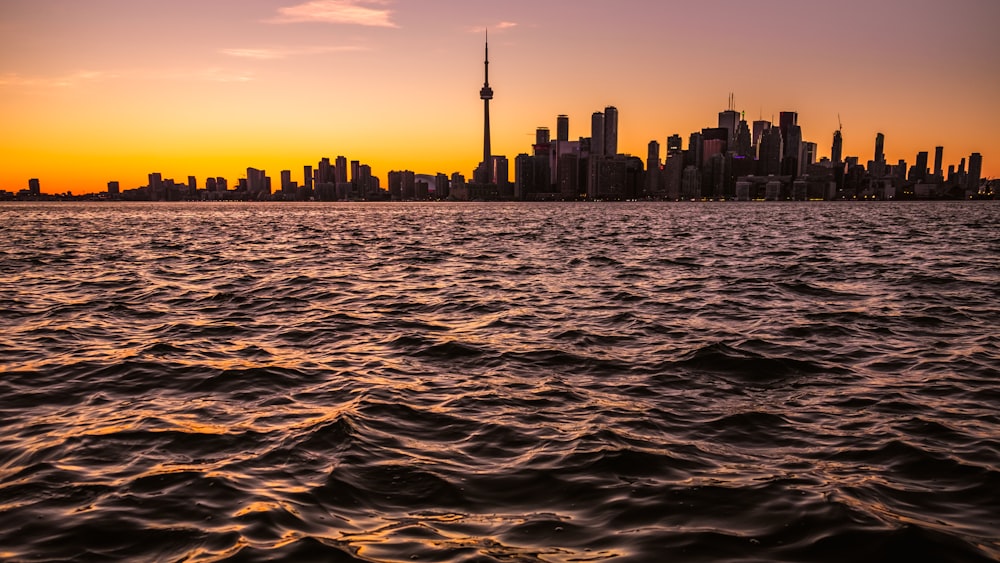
(99,90)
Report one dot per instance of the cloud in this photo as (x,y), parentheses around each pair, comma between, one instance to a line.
(271,54)
(495,27)
(80,78)
(64,81)
(355,12)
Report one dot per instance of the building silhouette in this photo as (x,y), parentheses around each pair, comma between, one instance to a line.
(485,175)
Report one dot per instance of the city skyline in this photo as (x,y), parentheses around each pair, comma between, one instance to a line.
(105,121)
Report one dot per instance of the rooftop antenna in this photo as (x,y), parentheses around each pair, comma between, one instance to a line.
(840,123)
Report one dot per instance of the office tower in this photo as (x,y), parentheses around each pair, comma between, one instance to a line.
(339,173)
(440,186)
(879,147)
(562,128)
(837,151)
(674,144)
(35,187)
(113,188)
(542,137)
(568,175)
(486,94)
(257,181)
(355,172)
(693,155)
(286,180)
(975,172)
(919,172)
(597,134)
(652,168)
(324,172)
(769,157)
(307,177)
(710,148)
(729,120)
(742,143)
(808,155)
(787,120)
(938,160)
(611,131)
(759,127)
(792,142)
(961,166)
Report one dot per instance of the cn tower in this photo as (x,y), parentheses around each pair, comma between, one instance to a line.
(486,94)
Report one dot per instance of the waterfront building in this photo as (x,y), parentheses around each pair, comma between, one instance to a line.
(562,128)
(611,131)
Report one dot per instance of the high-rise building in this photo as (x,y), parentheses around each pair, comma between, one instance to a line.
(938,161)
(674,144)
(787,120)
(597,134)
(542,136)
(307,177)
(879,147)
(355,171)
(611,131)
(286,180)
(742,144)
(975,172)
(324,172)
(562,128)
(920,168)
(652,168)
(35,187)
(769,152)
(113,188)
(729,120)
(792,143)
(837,151)
(340,171)
(759,127)
(808,155)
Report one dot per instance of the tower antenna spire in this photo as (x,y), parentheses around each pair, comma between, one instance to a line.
(486,94)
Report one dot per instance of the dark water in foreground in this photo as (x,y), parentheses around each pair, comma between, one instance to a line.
(500,382)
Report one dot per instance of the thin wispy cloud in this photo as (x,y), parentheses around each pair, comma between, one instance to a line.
(495,27)
(352,12)
(271,54)
(84,77)
(63,81)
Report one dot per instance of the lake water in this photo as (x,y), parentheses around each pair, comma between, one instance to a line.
(500,382)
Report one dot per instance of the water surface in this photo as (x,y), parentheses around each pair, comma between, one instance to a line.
(500,382)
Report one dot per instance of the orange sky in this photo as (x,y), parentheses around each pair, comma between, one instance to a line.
(114,89)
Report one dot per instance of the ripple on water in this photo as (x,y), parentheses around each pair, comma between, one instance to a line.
(499,382)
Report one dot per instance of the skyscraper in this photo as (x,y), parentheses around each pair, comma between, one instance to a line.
(728,120)
(674,144)
(975,172)
(611,131)
(879,147)
(597,134)
(562,128)
(938,160)
(837,151)
(486,94)
(920,168)
(787,120)
(759,127)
